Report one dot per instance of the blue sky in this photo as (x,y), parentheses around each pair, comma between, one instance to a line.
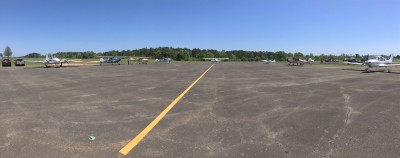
(307,26)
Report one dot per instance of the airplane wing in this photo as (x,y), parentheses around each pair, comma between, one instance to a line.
(266,61)
(94,61)
(71,61)
(353,63)
(215,58)
(388,65)
(143,57)
(136,58)
(122,57)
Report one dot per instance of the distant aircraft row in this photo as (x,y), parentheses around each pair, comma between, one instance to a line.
(54,61)
(372,62)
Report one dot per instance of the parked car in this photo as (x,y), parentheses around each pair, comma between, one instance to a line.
(6,62)
(19,62)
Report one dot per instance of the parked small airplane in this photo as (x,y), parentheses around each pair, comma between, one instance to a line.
(109,59)
(380,61)
(140,60)
(51,60)
(216,60)
(299,61)
(268,61)
(164,60)
(353,60)
(353,63)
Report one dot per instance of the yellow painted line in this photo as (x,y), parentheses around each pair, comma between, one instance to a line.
(128,147)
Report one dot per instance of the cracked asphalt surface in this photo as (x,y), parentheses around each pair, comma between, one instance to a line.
(235,110)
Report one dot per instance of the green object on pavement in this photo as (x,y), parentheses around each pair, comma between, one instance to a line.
(91,138)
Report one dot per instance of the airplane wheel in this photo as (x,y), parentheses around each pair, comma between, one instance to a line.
(119,64)
(367,70)
(389,71)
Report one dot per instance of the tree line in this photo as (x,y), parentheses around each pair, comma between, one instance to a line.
(196,54)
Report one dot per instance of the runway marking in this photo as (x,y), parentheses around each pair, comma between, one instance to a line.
(128,147)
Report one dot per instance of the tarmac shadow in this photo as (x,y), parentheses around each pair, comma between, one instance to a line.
(51,67)
(372,71)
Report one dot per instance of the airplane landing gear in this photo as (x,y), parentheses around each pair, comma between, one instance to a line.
(367,70)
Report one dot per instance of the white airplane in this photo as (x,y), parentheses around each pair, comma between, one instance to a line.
(380,61)
(51,60)
(140,60)
(164,60)
(268,61)
(299,61)
(216,60)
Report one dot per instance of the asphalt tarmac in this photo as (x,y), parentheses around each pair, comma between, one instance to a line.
(235,110)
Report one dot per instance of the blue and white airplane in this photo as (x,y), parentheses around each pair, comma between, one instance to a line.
(107,59)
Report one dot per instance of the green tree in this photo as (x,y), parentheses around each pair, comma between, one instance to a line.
(233,56)
(209,55)
(33,55)
(280,56)
(311,55)
(298,54)
(183,55)
(7,52)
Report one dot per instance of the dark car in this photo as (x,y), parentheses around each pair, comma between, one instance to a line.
(6,62)
(19,62)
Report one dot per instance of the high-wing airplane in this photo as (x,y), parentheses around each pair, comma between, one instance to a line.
(140,60)
(379,62)
(109,59)
(51,60)
(299,61)
(164,60)
(268,61)
(216,60)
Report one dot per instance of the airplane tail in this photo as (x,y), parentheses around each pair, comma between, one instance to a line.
(391,58)
(47,57)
